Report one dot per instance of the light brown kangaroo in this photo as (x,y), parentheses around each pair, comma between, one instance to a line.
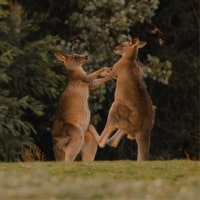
(71,132)
(131,113)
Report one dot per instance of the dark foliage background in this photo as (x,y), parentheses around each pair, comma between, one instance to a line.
(31,79)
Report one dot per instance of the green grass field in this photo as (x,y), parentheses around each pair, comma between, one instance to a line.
(110,180)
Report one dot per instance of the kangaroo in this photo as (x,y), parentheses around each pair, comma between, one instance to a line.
(71,132)
(132,112)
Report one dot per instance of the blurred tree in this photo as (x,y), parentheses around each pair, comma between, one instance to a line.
(31,80)
(177,121)
(91,26)
(27,78)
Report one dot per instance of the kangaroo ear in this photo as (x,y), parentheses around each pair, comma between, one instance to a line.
(142,44)
(60,56)
(130,43)
(134,41)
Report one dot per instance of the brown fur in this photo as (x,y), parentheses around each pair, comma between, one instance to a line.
(72,133)
(132,112)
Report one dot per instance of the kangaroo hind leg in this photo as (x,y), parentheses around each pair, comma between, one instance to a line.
(73,148)
(143,143)
(105,134)
(115,139)
(90,145)
(58,147)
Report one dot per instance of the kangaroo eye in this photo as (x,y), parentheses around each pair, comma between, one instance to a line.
(75,57)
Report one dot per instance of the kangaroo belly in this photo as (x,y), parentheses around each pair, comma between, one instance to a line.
(73,107)
(126,118)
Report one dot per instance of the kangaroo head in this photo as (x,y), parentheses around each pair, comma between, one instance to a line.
(71,61)
(125,46)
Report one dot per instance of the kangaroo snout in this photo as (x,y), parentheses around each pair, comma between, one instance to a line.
(84,57)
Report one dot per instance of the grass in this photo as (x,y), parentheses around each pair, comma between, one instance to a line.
(119,180)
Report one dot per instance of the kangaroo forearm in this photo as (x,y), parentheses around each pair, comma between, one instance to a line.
(92,76)
(98,82)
